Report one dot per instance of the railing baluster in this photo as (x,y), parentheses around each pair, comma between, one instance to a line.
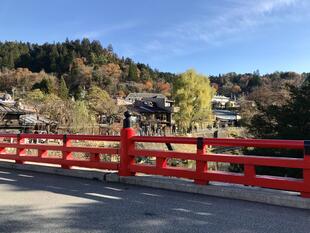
(94,157)
(161,162)
(306,171)
(66,155)
(19,151)
(201,166)
(126,144)
(249,173)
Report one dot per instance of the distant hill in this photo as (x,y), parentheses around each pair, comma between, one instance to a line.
(83,63)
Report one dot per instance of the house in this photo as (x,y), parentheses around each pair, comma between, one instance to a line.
(13,118)
(219,102)
(226,117)
(37,123)
(132,97)
(9,116)
(153,112)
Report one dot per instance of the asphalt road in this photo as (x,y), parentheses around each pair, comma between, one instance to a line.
(34,202)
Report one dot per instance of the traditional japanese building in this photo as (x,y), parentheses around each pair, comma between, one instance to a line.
(153,112)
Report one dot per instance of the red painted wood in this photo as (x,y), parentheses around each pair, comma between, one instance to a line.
(201,166)
(258,143)
(200,175)
(163,154)
(306,175)
(177,140)
(257,160)
(126,144)
(168,171)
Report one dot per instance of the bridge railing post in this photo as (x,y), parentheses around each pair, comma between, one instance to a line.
(201,165)
(306,170)
(125,145)
(19,151)
(65,153)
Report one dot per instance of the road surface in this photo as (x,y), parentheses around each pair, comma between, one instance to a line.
(35,202)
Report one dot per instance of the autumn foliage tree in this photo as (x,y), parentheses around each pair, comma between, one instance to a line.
(192,93)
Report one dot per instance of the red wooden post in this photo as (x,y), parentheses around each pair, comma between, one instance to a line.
(161,162)
(249,173)
(94,157)
(2,150)
(201,166)
(306,171)
(19,151)
(42,153)
(125,145)
(66,155)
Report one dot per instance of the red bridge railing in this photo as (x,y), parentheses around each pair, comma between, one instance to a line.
(96,149)
(38,146)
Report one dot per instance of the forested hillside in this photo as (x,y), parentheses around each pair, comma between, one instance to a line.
(81,64)
(74,78)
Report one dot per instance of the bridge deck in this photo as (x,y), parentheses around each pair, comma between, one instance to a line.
(34,202)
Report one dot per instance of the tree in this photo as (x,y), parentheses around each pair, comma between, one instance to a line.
(289,121)
(133,72)
(192,93)
(100,101)
(164,88)
(148,85)
(82,119)
(35,98)
(46,86)
(63,90)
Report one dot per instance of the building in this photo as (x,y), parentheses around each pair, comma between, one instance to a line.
(37,124)
(153,112)
(219,102)
(9,117)
(14,119)
(226,117)
(132,97)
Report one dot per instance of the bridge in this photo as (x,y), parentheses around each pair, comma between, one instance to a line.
(36,202)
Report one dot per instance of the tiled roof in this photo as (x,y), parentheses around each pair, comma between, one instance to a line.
(33,119)
(7,109)
(145,95)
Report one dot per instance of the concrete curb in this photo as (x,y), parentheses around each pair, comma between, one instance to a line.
(254,194)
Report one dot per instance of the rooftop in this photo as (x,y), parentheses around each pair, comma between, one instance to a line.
(145,95)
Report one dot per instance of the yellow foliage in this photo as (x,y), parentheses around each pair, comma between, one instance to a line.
(193,94)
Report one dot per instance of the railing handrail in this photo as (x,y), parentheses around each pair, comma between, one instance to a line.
(125,148)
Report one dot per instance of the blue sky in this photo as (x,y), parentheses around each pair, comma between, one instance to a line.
(212,36)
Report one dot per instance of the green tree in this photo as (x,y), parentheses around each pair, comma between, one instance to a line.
(192,93)
(289,121)
(35,98)
(133,72)
(46,86)
(100,102)
(82,119)
(63,90)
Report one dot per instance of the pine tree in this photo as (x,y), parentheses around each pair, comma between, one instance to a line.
(133,73)
(63,90)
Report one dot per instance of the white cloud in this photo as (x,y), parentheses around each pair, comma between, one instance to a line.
(270,5)
(232,20)
(242,16)
(226,24)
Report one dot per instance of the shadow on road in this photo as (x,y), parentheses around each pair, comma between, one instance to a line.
(35,202)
